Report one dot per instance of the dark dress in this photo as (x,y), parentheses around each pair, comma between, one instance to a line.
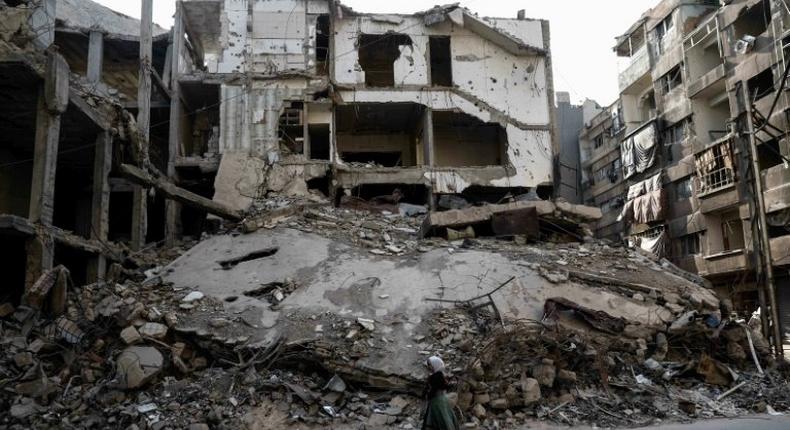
(438,414)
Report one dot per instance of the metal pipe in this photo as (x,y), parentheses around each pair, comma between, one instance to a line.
(765,244)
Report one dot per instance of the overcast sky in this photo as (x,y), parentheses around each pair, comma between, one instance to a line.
(582,32)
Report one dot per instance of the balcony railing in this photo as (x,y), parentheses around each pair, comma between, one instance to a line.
(716,180)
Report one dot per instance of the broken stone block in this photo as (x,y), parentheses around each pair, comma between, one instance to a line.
(482,399)
(137,365)
(130,335)
(23,360)
(153,330)
(662,347)
(530,389)
(40,387)
(465,400)
(499,404)
(25,408)
(567,376)
(479,411)
(380,420)
(545,373)
(367,324)
(193,297)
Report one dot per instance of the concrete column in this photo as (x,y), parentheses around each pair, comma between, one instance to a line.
(306,132)
(100,208)
(53,100)
(40,251)
(140,203)
(173,208)
(427,137)
(95,56)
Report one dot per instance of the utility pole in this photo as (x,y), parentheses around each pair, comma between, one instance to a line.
(140,202)
(762,243)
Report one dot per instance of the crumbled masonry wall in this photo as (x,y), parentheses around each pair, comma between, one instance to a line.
(516,86)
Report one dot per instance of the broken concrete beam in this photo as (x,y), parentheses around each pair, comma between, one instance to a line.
(479,214)
(273,217)
(587,213)
(173,192)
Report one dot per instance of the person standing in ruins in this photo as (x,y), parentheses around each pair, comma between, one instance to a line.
(438,412)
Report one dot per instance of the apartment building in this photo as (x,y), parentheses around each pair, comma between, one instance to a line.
(699,80)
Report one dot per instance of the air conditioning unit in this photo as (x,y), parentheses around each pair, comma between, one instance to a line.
(745,44)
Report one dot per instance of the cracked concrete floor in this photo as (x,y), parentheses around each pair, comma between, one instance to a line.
(347,282)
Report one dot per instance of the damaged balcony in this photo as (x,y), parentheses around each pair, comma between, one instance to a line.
(704,59)
(634,54)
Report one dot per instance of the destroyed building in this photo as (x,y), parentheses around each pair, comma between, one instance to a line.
(674,173)
(308,95)
(271,214)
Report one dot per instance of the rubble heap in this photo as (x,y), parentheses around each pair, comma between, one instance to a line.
(137,352)
(550,371)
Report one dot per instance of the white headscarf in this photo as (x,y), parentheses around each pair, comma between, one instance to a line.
(435,364)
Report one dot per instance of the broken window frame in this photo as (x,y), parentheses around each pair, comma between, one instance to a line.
(684,188)
(689,245)
(676,133)
(715,168)
(662,29)
(598,141)
(672,79)
(730,229)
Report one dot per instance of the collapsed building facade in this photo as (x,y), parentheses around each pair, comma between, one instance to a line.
(437,102)
(242,98)
(672,162)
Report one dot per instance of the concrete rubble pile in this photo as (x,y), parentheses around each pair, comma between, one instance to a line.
(152,348)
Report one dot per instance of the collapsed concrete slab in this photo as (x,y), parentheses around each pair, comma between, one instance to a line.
(337,284)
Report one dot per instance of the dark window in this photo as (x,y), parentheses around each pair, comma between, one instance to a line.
(377,53)
(684,189)
(598,142)
(689,245)
(441,63)
(761,85)
(322,44)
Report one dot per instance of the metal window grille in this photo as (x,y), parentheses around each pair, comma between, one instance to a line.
(715,168)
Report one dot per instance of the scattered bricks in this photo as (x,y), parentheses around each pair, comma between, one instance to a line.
(545,373)
(131,336)
(567,376)
(154,330)
(530,389)
(23,360)
(479,411)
